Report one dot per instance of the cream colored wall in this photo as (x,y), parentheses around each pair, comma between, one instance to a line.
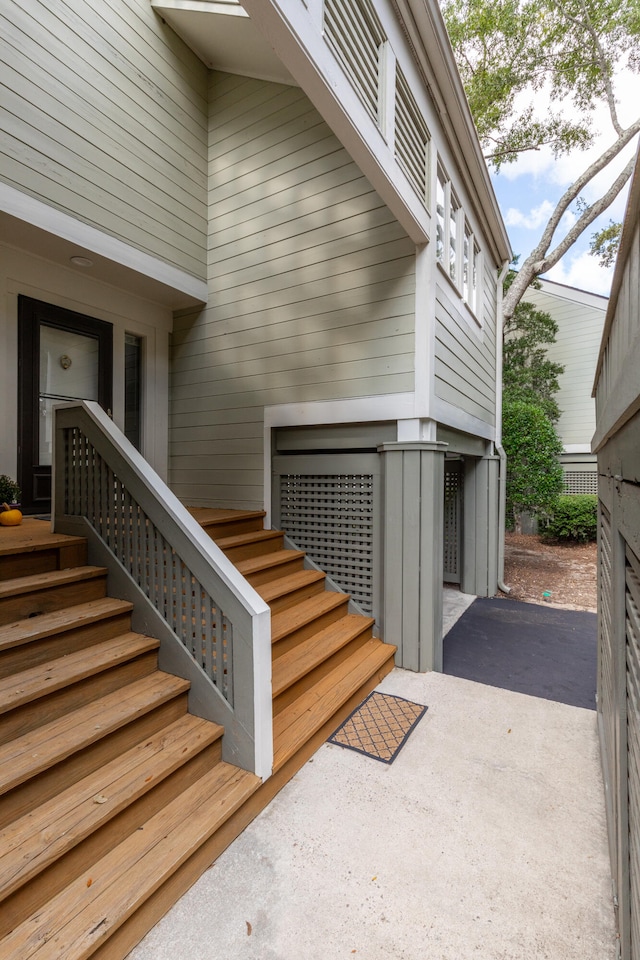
(103,116)
(22,273)
(311,285)
(580,320)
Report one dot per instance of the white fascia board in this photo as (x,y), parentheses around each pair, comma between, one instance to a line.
(563,292)
(450,416)
(629,227)
(294,36)
(88,238)
(396,406)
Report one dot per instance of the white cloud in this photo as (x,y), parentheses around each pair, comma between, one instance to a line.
(561,171)
(537,217)
(531,221)
(582,271)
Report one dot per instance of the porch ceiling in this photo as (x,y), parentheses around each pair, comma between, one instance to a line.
(185,292)
(224,37)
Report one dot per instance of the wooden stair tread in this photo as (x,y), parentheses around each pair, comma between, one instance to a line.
(275,559)
(241,539)
(286,621)
(45,678)
(55,578)
(299,661)
(33,535)
(40,837)
(210,516)
(301,719)
(36,751)
(69,618)
(294,581)
(74,922)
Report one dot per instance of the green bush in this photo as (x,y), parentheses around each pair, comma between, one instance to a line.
(574,518)
(533,448)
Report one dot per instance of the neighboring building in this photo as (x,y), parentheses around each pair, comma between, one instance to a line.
(580,318)
(617,445)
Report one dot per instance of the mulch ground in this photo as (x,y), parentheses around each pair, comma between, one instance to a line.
(540,571)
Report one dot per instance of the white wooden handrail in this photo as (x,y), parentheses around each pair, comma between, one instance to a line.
(160,556)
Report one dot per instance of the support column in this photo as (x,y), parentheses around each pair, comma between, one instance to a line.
(481,526)
(413,539)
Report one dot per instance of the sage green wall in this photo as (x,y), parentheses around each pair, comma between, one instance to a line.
(576,348)
(311,283)
(465,367)
(104,116)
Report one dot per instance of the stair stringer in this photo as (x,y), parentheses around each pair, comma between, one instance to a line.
(241,744)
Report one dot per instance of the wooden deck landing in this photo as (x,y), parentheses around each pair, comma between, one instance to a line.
(31,535)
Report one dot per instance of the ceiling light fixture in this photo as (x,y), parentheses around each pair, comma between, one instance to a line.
(81,261)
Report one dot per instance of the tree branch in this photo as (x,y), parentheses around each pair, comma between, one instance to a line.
(589,215)
(539,260)
(603,63)
(579,184)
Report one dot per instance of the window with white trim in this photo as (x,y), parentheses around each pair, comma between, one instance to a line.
(457,250)
(470,269)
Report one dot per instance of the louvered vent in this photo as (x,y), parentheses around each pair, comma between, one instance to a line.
(576,482)
(452,521)
(411,137)
(330,517)
(353,30)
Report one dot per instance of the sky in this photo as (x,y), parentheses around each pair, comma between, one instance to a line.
(528,190)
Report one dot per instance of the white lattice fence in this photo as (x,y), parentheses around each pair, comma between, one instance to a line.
(575,481)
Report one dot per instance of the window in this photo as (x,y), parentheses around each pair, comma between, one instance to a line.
(457,250)
(470,266)
(133,389)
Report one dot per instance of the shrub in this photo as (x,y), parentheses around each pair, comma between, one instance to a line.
(534,474)
(574,518)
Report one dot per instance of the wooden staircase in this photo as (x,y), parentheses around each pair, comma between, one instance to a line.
(325,659)
(113,798)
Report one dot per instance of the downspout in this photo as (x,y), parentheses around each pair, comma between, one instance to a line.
(502,480)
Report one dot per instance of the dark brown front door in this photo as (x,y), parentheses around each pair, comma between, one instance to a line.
(62,355)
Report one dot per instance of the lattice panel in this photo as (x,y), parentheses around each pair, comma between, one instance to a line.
(93,490)
(331,518)
(577,482)
(452,522)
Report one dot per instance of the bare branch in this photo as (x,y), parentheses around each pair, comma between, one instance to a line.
(603,63)
(578,186)
(506,153)
(539,261)
(589,215)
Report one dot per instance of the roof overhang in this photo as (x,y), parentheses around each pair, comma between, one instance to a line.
(224,37)
(270,39)
(43,231)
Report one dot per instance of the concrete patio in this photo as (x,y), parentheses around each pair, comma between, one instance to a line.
(485,839)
